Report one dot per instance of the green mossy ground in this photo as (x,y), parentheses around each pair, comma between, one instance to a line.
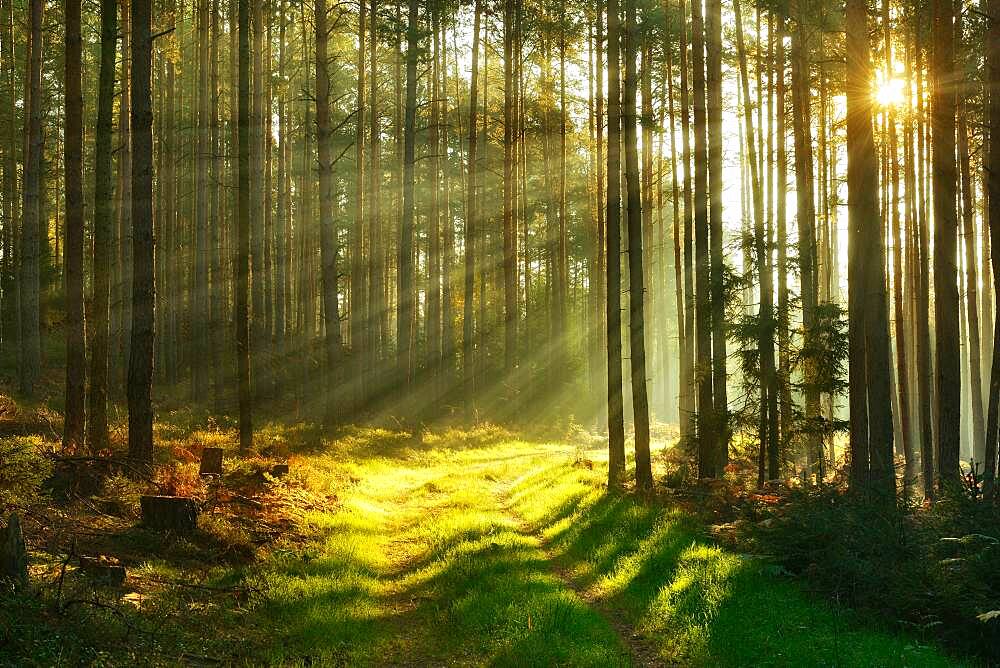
(455,547)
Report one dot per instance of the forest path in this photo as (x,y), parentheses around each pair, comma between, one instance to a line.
(479,549)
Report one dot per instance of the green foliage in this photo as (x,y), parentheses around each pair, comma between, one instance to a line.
(23,468)
(935,569)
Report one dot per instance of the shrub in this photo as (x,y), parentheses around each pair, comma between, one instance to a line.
(24,466)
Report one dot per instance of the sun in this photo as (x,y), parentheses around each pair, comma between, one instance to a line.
(889,92)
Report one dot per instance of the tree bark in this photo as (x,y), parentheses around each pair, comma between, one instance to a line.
(616,408)
(30,351)
(946,307)
(140,368)
(76,353)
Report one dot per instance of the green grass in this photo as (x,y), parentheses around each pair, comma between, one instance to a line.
(476,548)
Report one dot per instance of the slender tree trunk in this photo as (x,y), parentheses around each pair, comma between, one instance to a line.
(509,176)
(242,269)
(405,303)
(140,367)
(637,334)
(992,169)
(76,353)
(616,408)
(945,179)
(358,320)
(468,329)
(707,427)
(876,468)
(30,352)
(328,238)
(713,75)
(97,427)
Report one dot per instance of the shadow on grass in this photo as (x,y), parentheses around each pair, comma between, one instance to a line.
(699,604)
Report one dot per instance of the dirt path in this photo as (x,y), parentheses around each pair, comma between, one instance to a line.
(642,651)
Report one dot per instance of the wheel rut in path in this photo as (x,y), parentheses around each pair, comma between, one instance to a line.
(642,651)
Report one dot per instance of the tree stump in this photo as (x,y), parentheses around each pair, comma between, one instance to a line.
(104,569)
(169,513)
(13,554)
(279,470)
(211,462)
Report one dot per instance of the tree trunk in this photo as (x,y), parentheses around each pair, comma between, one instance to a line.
(76,353)
(993,203)
(404,299)
(616,408)
(875,470)
(468,299)
(97,428)
(30,357)
(242,269)
(636,324)
(327,232)
(140,367)
(946,327)
(707,427)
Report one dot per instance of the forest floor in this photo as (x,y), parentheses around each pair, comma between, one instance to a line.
(459,547)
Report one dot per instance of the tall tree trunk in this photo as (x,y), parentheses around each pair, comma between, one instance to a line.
(765,341)
(200,317)
(876,468)
(404,300)
(946,327)
(713,76)
(76,353)
(30,357)
(97,427)
(140,367)
(616,408)
(707,425)
(636,323)
(327,232)
(468,331)
(358,320)
(242,269)
(509,176)
(992,169)
(971,288)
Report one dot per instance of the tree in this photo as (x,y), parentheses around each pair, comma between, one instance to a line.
(140,368)
(944,175)
(636,322)
(327,231)
(616,408)
(30,351)
(404,295)
(993,198)
(97,427)
(242,268)
(76,353)
(871,461)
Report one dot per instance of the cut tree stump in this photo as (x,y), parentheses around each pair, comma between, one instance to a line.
(13,554)
(104,569)
(169,513)
(279,470)
(211,461)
